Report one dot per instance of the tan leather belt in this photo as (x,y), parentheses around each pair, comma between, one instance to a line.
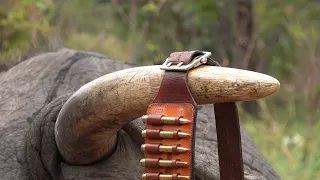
(170,126)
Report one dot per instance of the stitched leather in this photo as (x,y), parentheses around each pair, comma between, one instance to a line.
(174,99)
(172,110)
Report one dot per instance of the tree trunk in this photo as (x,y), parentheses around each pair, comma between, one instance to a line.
(133,30)
(226,15)
(236,20)
(244,34)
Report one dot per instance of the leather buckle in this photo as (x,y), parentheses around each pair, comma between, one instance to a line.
(197,61)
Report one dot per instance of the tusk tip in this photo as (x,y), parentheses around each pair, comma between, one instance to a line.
(266,86)
(223,84)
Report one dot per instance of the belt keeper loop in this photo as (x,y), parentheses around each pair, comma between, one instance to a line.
(175,176)
(175,149)
(174,163)
(153,133)
(175,134)
(154,119)
(152,148)
(176,121)
(153,162)
(152,176)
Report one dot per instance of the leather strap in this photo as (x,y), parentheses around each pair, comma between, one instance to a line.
(174,100)
(229,141)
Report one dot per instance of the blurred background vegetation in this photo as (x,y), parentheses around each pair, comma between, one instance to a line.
(276,37)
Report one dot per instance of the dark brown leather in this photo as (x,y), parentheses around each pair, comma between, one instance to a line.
(177,121)
(229,141)
(174,148)
(153,176)
(175,177)
(175,134)
(174,89)
(152,148)
(153,134)
(185,57)
(154,163)
(174,163)
(154,119)
(174,99)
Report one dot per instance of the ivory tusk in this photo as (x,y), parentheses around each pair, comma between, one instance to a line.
(210,84)
(87,125)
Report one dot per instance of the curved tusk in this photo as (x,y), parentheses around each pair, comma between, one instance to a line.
(87,124)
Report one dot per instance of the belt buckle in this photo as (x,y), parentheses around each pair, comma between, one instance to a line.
(199,60)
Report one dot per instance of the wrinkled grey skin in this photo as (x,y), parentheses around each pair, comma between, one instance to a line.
(33,92)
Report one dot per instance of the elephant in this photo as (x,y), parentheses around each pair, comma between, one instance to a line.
(32,94)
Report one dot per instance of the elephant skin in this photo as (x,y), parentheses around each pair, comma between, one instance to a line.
(31,96)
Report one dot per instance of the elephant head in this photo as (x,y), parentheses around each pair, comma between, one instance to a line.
(75,115)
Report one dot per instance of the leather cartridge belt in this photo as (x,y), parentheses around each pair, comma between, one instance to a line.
(170,126)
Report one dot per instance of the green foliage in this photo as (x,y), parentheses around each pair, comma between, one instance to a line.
(285,138)
(291,26)
(19,23)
